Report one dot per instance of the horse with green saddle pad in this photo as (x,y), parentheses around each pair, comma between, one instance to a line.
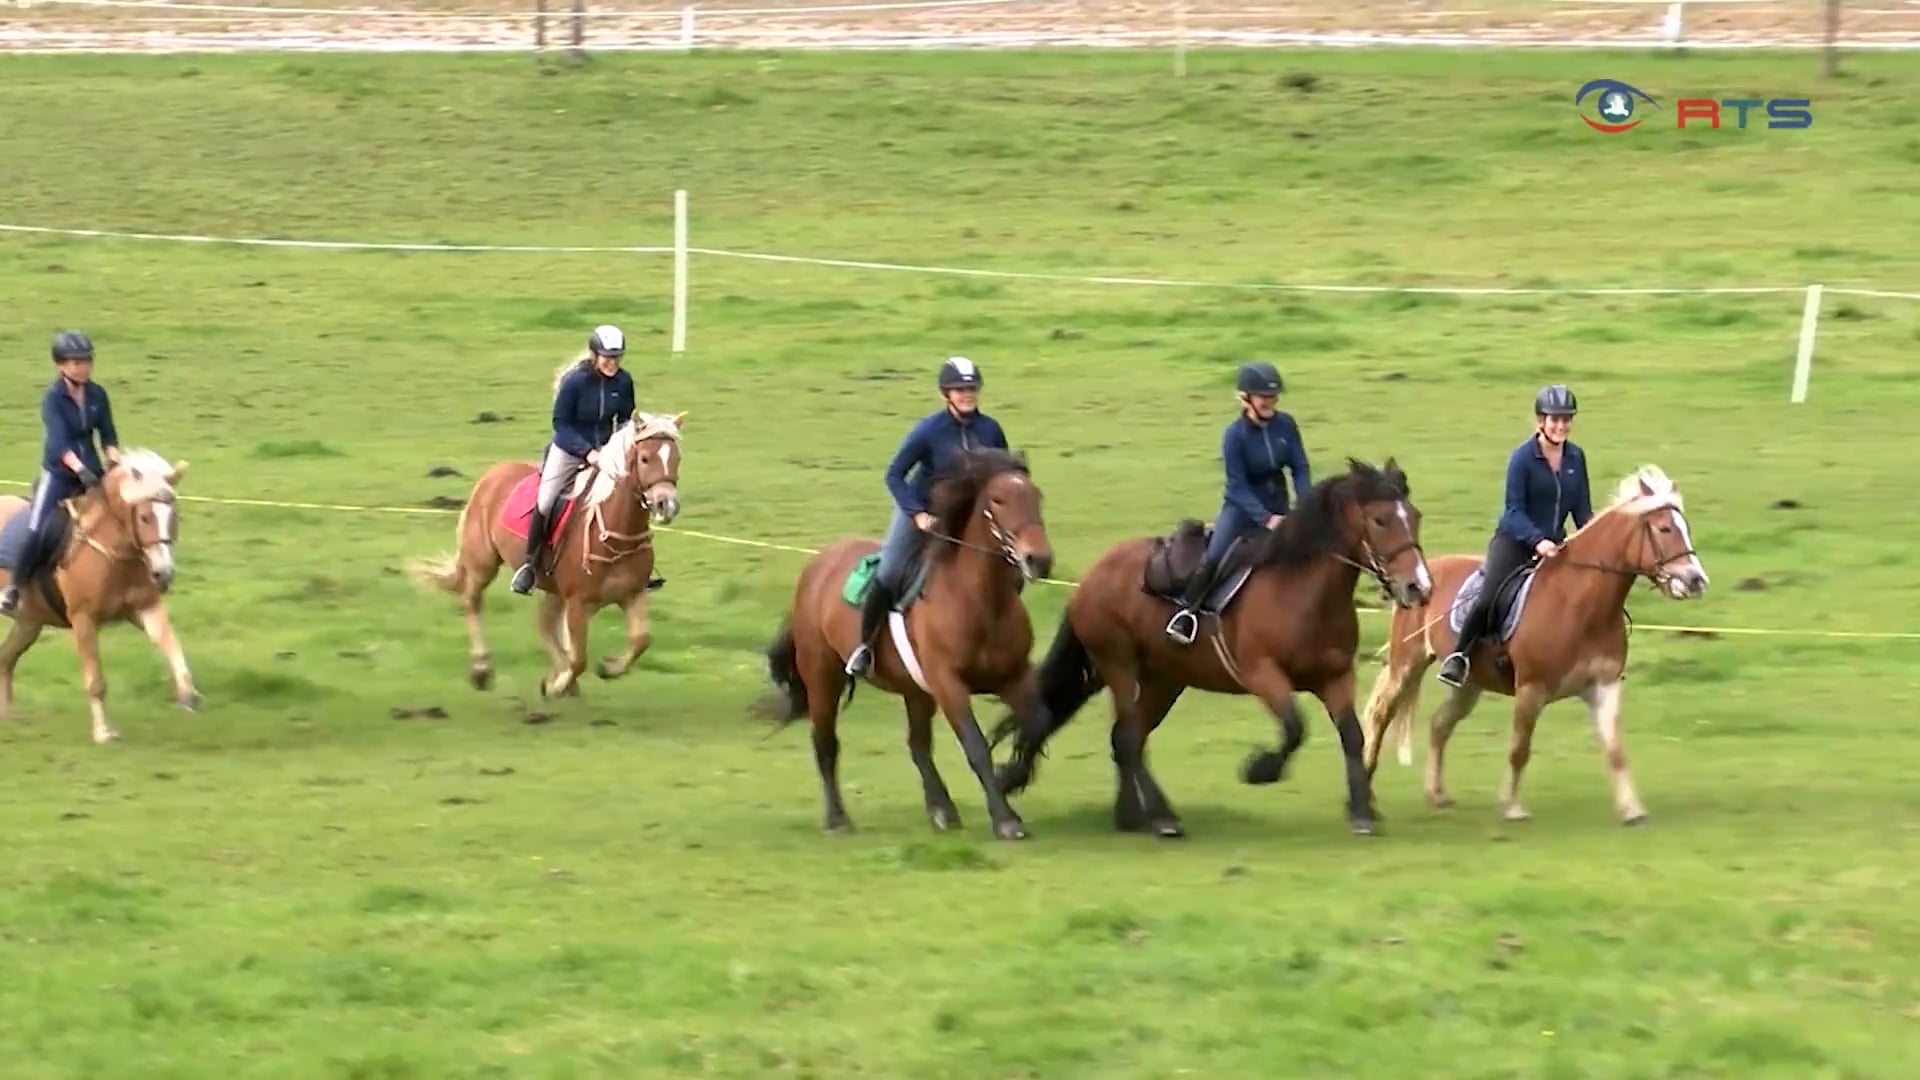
(860,583)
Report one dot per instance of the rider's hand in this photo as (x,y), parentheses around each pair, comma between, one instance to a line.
(923,521)
(89,479)
(1273,522)
(593,457)
(1545,548)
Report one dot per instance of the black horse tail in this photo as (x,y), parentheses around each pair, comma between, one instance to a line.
(788,700)
(1067,680)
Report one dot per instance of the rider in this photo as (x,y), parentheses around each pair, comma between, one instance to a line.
(1259,443)
(72,410)
(591,402)
(933,442)
(1546,481)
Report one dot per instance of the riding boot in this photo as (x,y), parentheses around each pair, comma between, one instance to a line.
(1453,670)
(879,600)
(524,577)
(23,571)
(1185,624)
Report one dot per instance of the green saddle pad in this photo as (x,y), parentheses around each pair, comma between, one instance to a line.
(860,579)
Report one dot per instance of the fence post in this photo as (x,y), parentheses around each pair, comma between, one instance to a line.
(1803,362)
(680,271)
(540,25)
(1830,56)
(579,29)
(686,28)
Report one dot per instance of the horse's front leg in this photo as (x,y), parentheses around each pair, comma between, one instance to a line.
(159,630)
(639,636)
(956,701)
(1363,817)
(86,640)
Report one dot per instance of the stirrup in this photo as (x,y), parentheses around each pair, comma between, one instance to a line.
(861,661)
(10,598)
(1175,630)
(524,578)
(1466,669)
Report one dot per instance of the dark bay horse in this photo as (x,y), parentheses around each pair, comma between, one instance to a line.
(966,633)
(601,552)
(112,562)
(1291,626)
(1567,638)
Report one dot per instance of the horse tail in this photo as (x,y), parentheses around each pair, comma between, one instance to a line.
(1066,681)
(1393,700)
(444,572)
(788,701)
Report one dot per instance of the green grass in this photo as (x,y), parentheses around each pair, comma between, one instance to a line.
(297,883)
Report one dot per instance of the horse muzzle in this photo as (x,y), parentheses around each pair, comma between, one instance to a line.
(1687,586)
(1035,564)
(664,505)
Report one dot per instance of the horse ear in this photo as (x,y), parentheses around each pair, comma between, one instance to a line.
(1645,488)
(174,473)
(680,419)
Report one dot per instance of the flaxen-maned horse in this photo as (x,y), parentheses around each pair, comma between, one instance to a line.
(1281,620)
(1568,637)
(963,631)
(601,552)
(112,561)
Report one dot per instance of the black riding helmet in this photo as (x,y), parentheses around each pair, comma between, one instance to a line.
(71,345)
(1555,400)
(1260,377)
(960,373)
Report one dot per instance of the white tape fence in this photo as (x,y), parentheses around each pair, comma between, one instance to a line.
(684,252)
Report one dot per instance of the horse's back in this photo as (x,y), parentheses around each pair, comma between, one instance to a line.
(1409,624)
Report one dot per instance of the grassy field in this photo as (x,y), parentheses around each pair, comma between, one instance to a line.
(296,883)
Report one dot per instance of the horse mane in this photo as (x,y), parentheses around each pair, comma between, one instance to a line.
(560,373)
(1314,528)
(615,456)
(1645,488)
(152,468)
(957,486)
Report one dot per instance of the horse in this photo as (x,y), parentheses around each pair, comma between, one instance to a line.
(1564,624)
(601,551)
(112,561)
(1281,618)
(959,628)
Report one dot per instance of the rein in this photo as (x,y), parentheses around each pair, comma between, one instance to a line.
(1657,575)
(1005,551)
(132,552)
(609,539)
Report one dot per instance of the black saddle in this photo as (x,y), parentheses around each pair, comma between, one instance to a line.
(1175,558)
(53,540)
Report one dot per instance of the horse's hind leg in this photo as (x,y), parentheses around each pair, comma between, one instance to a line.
(1459,702)
(1139,804)
(823,709)
(479,573)
(940,808)
(21,638)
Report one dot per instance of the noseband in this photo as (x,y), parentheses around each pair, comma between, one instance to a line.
(1657,573)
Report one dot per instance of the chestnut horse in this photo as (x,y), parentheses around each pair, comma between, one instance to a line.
(1283,620)
(1567,639)
(967,632)
(602,555)
(113,562)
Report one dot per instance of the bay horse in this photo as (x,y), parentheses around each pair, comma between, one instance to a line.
(1280,619)
(112,562)
(1564,622)
(959,629)
(601,551)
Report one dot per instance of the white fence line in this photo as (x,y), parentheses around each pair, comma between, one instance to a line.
(675,14)
(683,251)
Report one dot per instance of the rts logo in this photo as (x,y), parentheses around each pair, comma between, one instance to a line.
(1613,105)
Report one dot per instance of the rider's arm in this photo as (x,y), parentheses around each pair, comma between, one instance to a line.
(566,435)
(109,436)
(913,450)
(61,434)
(1514,521)
(624,412)
(1583,499)
(1297,461)
(999,437)
(1239,491)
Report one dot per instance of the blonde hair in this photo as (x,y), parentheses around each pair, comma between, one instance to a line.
(560,373)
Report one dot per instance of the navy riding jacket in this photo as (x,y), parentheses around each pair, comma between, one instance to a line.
(71,426)
(1540,499)
(936,440)
(1255,455)
(588,407)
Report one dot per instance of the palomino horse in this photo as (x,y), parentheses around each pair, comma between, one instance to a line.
(1566,637)
(113,561)
(1293,628)
(601,552)
(967,633)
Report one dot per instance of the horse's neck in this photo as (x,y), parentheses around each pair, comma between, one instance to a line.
(1322,579)
(1597,570)
(979,570)
(622,512)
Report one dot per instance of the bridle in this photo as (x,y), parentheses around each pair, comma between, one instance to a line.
(1657,574)
(1003,537)
(1376,564)
(611,540)
(134,550)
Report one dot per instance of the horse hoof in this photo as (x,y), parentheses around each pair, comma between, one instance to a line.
(480,678)
(943,819)
(607,669)
(190,702)
(1363,826)
(1263,768)
(103,738)
(1517,813)
(1440,802)
(1010,829)
(1634,820)
(1169,830)
(837,825)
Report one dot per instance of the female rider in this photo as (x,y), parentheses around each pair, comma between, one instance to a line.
(957,427)
(1259,443)
(590,403)
(1546,481)
(72,410)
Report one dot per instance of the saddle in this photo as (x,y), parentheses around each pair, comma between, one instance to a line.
(1176,557)
(860,581)
(1509,603)
(53,541)
(516,516)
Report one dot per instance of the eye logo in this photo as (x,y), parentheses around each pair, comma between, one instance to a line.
(1614,100)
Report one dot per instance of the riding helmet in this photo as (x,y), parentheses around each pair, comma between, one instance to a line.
(72,345)
(1555,400)
(960,373)
(1260,377)
(607,341)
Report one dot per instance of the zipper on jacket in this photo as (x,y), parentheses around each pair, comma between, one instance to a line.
(1556,488)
